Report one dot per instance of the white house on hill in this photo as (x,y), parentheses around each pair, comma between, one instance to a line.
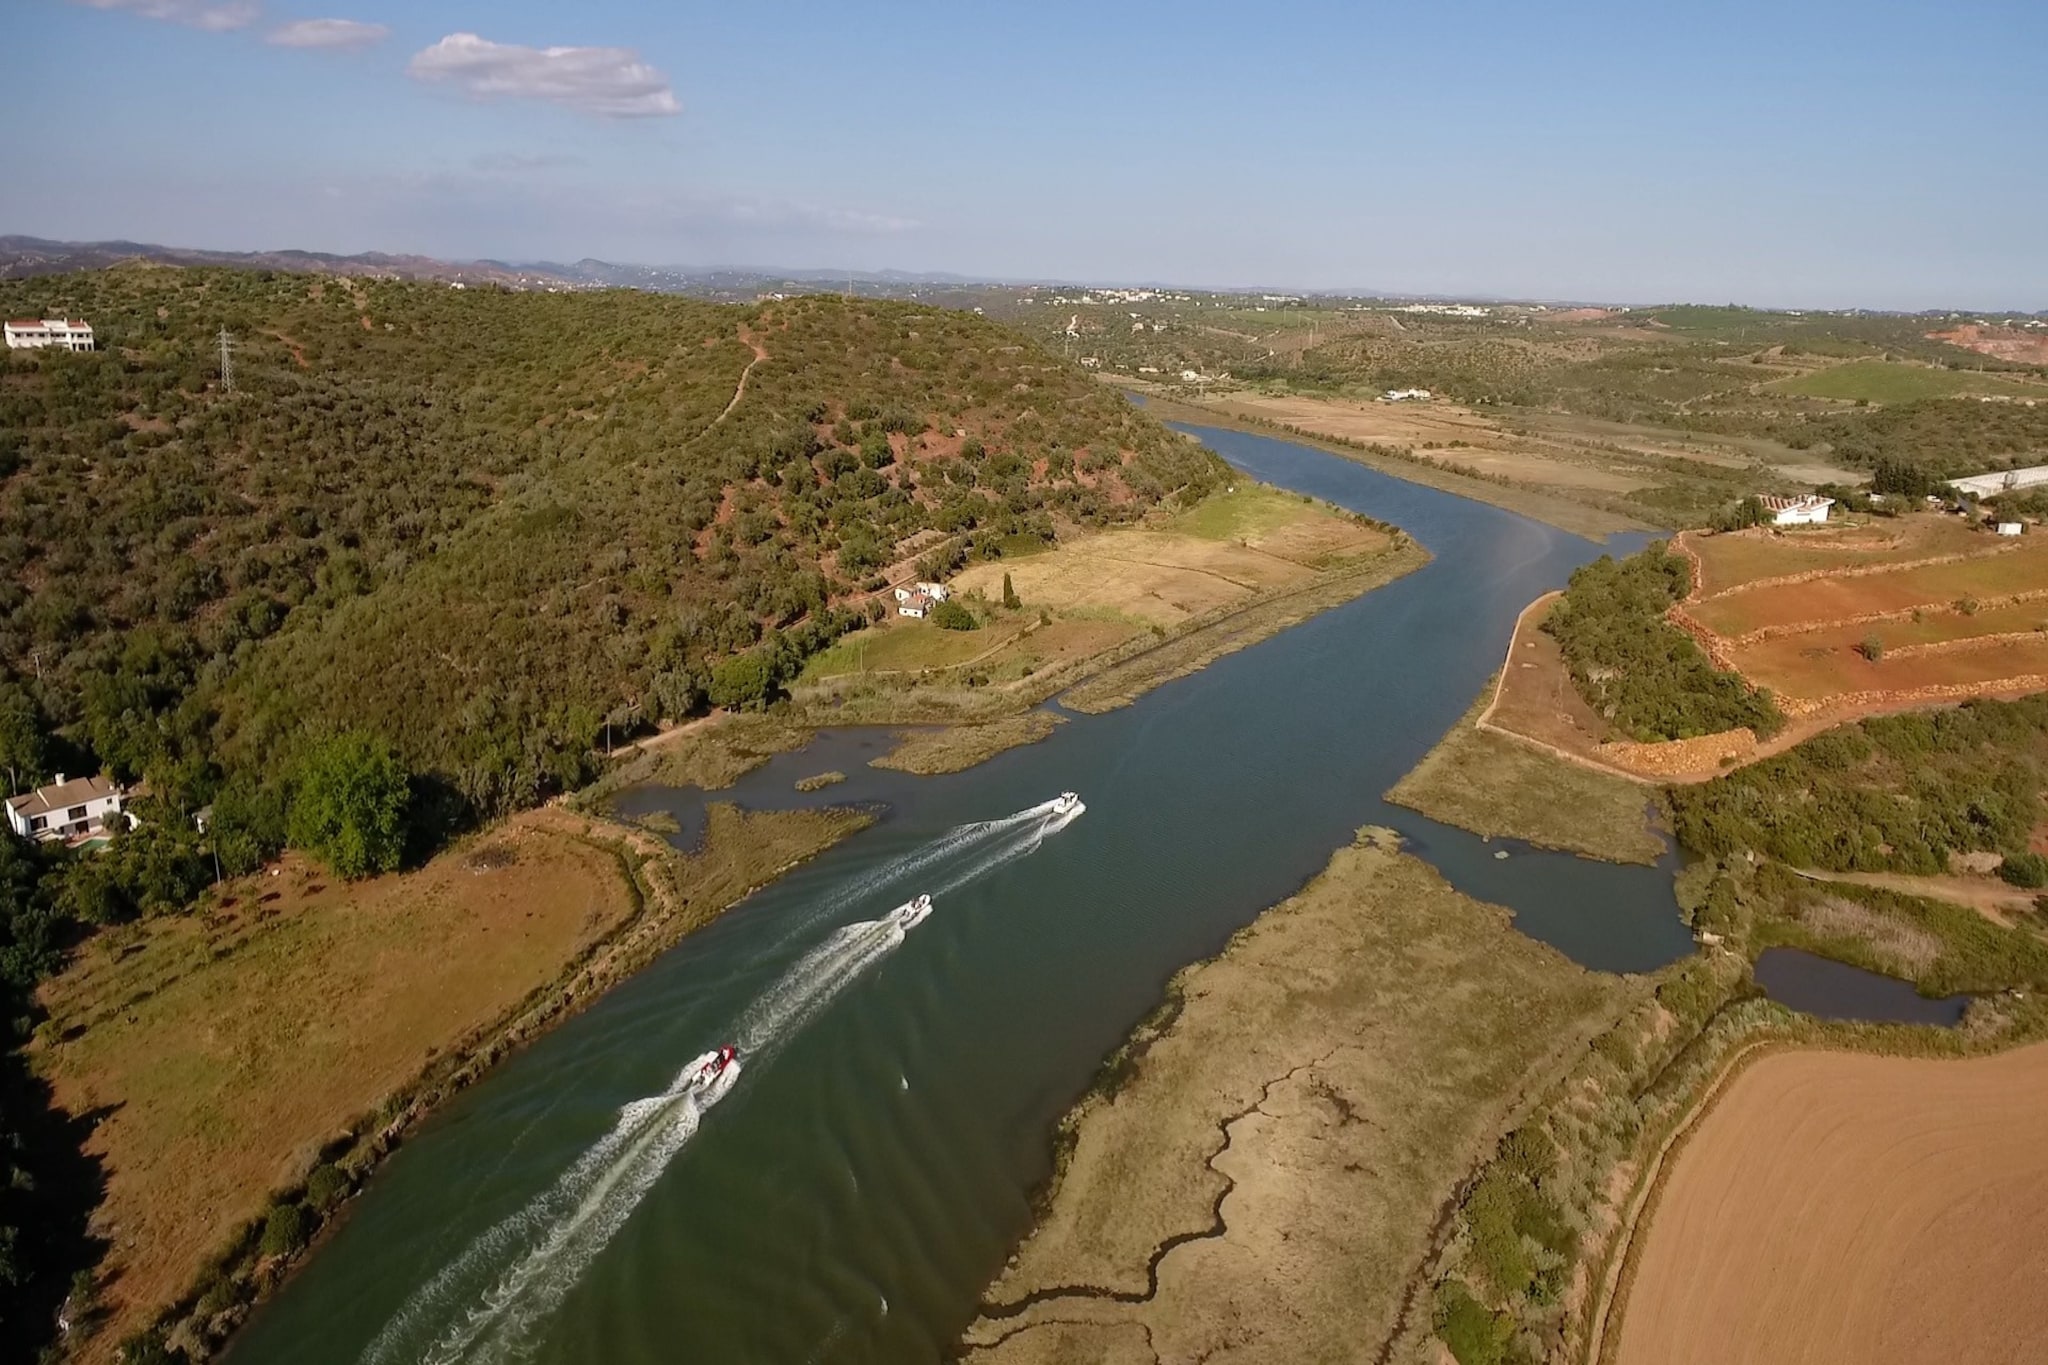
(1808,509)
(65,810)
(31,333)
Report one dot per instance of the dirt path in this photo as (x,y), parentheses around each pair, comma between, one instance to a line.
(740,389)
(1835,1207)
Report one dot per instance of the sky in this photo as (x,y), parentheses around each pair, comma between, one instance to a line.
(1797,153)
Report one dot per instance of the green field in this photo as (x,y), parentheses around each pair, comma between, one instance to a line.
(900,645)
(1884,381)
(1247,510)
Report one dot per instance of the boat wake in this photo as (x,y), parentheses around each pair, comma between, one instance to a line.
(510,1279)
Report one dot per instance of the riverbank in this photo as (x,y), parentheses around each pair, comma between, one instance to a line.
(1594,517)
(1101,620)
(250,1065)
(1486,782)
(1267,1164)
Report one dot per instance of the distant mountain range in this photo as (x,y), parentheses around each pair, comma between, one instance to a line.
(21,257)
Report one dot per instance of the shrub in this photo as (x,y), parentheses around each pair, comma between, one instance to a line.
(953,616)
(2025,869)
(1010,598)
(285,1230)
(326,1187)
(1872,648)
(1475,1334)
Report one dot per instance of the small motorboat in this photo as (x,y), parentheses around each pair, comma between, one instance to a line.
(1067,804)
(711,1068)
(911,913)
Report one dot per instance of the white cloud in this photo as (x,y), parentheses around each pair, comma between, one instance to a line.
(215,16)
(333,35)
(608,81)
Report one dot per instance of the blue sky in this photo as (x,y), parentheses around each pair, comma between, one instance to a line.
(1800,153)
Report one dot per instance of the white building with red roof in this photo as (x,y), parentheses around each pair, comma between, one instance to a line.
(25,334)
(1808,509)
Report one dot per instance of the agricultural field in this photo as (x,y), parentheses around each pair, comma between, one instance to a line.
(1834,1207)
(2000,569)
(1881,381)
(1729,561)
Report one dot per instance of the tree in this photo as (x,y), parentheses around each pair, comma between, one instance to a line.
(745,680)
(953,616)
(1010,598)
(350,807)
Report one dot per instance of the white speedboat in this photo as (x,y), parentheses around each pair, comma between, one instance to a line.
(911,913)
(1067,804)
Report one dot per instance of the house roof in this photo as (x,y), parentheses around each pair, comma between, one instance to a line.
(40,323)
(1774,503)
(63,796)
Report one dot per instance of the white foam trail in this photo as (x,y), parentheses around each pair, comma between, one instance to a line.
(542,1251)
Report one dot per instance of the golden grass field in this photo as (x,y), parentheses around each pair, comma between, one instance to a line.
(1836,1208)
(222,1051)
(1222,552)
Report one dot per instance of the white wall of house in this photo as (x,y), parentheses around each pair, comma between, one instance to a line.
(1802,516)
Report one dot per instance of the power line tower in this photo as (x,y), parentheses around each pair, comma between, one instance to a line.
(227,361)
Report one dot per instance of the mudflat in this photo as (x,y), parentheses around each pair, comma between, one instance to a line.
(1836,1208)
(1264,1176)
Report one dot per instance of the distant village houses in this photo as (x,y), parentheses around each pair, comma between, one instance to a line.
(1406,396)
(27,334)
(78,808)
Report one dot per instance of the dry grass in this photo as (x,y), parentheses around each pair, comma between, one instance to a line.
(955,748)
(1900,947)
(225,1049)
(1728,561)
(1167,577)
(1493,785)
(225,1052)
(1280,1147)
(1835,1207)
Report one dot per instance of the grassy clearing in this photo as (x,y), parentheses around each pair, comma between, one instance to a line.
(958,747)
(1496,786)
(302,1021)
(1125,681)
(903,645)
(1880,381)
(1333,1075)
(1243,512)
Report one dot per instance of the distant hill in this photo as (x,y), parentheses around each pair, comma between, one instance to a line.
(27,257)
(479,522)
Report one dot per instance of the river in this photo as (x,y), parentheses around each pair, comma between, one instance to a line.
(876,1160)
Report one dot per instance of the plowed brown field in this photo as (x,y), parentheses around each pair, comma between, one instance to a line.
(1986,576)
(1837,1209)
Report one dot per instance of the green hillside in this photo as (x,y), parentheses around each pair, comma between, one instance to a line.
(478,523)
